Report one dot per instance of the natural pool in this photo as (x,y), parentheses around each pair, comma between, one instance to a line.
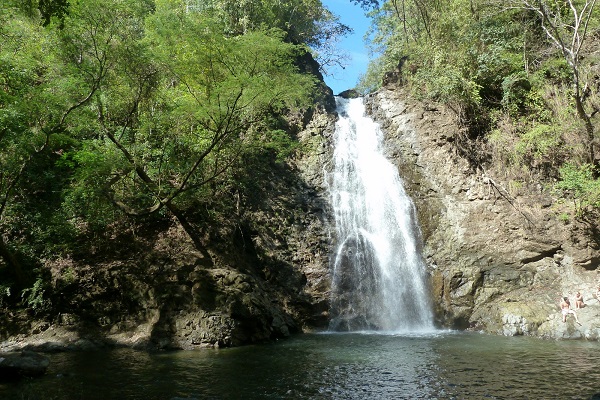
(443,365)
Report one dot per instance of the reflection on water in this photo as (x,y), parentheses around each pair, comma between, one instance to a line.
(331,366)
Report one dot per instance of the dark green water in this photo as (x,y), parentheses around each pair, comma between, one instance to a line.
(331,366)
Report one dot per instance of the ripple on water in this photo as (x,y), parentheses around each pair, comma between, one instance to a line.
(443,365)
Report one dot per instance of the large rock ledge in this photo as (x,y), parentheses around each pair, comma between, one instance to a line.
(16,365)
(498,255)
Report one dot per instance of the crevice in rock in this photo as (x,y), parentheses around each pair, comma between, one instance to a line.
(548,253)
(592,264)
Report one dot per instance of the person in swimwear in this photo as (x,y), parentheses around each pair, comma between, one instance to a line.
(579,301)
(565,307)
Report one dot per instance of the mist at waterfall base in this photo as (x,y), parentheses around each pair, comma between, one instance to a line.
(378,274)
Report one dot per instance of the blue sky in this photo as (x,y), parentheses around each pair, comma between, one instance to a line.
(353,16)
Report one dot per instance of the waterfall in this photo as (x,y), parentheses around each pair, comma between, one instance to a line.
(379,277)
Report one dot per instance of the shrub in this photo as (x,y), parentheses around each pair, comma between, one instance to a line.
(34,297)
(579,184)
(4,294)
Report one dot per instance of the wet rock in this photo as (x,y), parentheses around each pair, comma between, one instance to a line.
(15,365)
(349,94)
(499,257)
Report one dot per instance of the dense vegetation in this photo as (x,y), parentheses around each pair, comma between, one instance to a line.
(523,76)
(117,113)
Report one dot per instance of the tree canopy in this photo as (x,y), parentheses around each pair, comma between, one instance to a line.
(121,109)
(522,75)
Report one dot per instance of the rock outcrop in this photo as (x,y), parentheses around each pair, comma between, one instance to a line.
(16,365)
(499,256)
(263,275)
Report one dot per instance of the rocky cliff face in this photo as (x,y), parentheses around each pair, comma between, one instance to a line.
(499,256)
(263,273)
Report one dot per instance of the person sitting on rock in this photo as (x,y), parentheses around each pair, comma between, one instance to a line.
(579,301)
(565,307)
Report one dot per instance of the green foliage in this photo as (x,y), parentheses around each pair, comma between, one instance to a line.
(451,86)
(538,142)
(579,183)
(196,105)
(36,298)
(494,63)
(366,4)
(121,107)
(302,22)
(459,53)
(4,294)
(35,102)
(564,217)
(53,8)
(534,147)
(279,142)
(554,70)
(515,88)
(370,81)
(85,199)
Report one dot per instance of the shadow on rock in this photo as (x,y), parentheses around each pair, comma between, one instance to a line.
(16,365)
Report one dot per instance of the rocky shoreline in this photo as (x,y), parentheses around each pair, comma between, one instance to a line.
(25,364)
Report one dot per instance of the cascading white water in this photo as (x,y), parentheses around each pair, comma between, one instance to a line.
(379,280)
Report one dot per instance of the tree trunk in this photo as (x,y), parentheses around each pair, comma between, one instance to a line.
(191,231)
(589,127)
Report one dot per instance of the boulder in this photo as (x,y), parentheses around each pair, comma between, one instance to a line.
(15,365)
(349,94)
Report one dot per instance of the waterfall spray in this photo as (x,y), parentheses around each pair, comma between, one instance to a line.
(379,280)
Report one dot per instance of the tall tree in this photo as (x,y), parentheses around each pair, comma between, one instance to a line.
(41,90)
(566,25)
(178,107)
(303,21)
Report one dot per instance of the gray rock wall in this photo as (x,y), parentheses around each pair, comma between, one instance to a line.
(499,256)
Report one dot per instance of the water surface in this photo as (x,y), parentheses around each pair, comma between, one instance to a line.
(446,365)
